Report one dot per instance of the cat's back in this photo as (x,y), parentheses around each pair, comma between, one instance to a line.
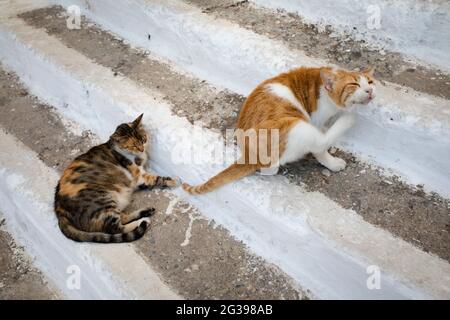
(98,154)
(97,169)
(89,164)
(265,103)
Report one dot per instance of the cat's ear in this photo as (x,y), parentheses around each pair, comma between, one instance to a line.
(328,78)
(137,122)
(369,71)
(115,136)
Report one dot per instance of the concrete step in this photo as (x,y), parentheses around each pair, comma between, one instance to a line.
(418,29)
(405,211)
(26,201)
(301,232)
(189,252)
(19,279)
(401,131)
(318,40)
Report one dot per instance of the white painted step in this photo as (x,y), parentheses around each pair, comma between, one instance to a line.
(322,246)
(26,198)
(403,130)
(418,28)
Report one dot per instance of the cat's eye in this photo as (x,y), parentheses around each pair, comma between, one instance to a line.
(370,82)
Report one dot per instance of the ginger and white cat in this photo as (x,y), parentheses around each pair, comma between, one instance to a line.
(297,104)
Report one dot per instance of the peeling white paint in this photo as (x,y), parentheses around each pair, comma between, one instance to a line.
(188,233)
(171,206)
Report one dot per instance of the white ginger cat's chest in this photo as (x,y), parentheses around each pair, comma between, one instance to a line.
(326,109)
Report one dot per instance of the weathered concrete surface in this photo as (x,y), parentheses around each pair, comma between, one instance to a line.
(19,280)
(420,218)
(346,52)
(208,264)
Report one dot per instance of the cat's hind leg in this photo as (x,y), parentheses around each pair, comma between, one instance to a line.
(339,127)
(137,214)
(105,226)
(115,221)
(322,155)
(131,226)
(113,224)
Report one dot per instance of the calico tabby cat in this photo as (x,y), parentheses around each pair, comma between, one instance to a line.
(97,185)
(298,104)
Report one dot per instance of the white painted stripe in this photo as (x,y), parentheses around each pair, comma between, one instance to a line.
(399,28)
(11,8)
(281,222)
(402,130)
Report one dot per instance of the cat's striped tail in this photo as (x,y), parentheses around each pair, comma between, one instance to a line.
(232,173)
(82,236)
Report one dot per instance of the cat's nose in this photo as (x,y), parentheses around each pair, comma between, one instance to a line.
(369,91)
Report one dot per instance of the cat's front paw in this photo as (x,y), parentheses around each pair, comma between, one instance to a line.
(171,182)
(336,164)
